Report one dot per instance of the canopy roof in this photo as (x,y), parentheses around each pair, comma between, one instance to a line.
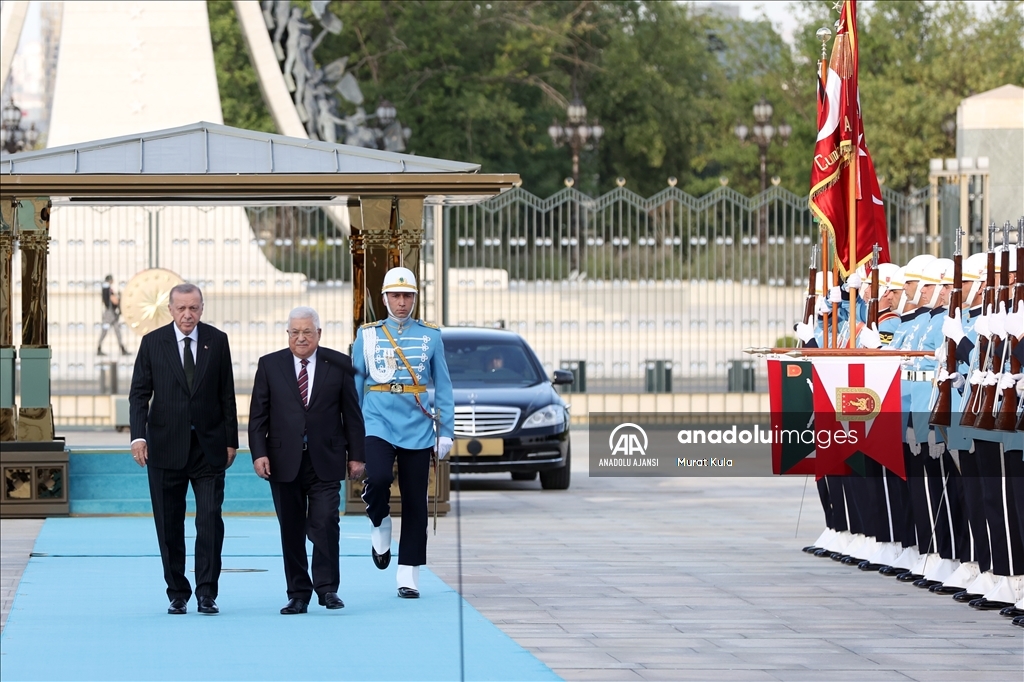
(211,162)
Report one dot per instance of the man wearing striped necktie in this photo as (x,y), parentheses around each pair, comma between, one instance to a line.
(304,424)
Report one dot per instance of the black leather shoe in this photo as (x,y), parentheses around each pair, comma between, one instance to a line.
(178,607)
(850,560)
(868,566)
(208,606)
(966,597)
(381,561)
(1012,612)
(332,601)
(891,571)
(836,556)
(989,604)
(1019,621)
(945,589)
(925,583)
(295,606)
(810,549)
(908,577)
(823,553)
(408,593)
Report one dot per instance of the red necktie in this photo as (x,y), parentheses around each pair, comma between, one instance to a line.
(304,383)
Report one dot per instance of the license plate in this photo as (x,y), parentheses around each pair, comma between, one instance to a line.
(481,447)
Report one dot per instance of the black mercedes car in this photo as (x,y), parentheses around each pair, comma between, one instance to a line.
(508,416)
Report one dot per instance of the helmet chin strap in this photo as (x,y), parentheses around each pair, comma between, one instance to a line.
(396,317)
(935,295)
(903,303)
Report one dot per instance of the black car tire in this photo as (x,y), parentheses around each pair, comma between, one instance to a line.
(524,475)
(557,479)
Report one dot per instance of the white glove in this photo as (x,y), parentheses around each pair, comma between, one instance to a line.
(940,354)
(935,448)
(981,326)
(835,295)
(854,281)
(804,331)
(997,322)
(1009,380)
(977,376)
(953,327)
(991,379)
(915,447)
(822,307)
(1015,321)
(869,337)
(957,378)
(444,446)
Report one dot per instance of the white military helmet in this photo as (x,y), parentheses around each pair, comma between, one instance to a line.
(913,269)
(399,279)
(939,271)
(975,269)
(999,259)
(889,278)
(819,278)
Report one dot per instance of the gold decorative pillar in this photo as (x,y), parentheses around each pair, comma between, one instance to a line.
(8,413)
(409,241)
(35,415)
(387,232)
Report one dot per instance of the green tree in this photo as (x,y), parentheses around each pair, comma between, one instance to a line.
(240,99)
(918,60)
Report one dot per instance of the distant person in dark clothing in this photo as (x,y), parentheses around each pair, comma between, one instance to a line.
(111,315)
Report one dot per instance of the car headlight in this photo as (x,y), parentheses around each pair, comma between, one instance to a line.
(552,415)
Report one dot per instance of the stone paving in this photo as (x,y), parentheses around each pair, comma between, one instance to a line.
(683,579)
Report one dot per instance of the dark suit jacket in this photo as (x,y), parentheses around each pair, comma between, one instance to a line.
(333,423)
(166,422)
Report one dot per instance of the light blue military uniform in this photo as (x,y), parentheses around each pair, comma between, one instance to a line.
(929,338)
(904,338)
(395,417)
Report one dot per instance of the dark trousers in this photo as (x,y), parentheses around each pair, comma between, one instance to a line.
(898,490)
(826,502)
(167,490)
(836,496)
(1015,472)
(1000,509)
(974,505)
(308,507)
(413,475)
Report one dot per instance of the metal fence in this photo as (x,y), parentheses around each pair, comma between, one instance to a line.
(635,294)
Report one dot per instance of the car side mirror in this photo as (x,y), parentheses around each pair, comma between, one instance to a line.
(563,377)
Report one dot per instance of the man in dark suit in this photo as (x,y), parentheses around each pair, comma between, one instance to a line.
(304,419)
(185,427)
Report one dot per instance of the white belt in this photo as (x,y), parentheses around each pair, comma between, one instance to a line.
(914,375)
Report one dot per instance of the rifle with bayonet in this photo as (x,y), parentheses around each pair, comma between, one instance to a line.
(1019,296)
(809,302)
(1007,412)
(977,371)
(990,386)
(873,300)
(941,411)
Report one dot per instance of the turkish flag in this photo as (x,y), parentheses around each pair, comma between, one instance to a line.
(857,411)
(841,142)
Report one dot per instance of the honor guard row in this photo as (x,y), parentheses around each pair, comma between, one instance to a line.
(955,526)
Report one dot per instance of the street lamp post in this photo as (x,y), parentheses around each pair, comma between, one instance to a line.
(12,137)
(578,134)
(762,133)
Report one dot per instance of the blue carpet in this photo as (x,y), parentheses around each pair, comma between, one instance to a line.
(91,606)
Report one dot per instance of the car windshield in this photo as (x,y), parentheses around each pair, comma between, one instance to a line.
(485,363)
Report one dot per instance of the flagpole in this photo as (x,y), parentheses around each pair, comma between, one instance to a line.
(854,168)
(827,321)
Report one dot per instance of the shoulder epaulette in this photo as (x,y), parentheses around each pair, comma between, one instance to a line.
(429,324)
(372,324)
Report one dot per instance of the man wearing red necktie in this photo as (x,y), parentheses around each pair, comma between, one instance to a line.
(304,424)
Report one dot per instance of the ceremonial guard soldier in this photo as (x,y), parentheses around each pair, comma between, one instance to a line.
(396,360)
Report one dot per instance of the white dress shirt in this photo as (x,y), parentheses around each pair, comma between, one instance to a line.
(180,337)
(310,371)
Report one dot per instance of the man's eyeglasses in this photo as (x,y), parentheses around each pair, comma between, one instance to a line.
(301,333)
